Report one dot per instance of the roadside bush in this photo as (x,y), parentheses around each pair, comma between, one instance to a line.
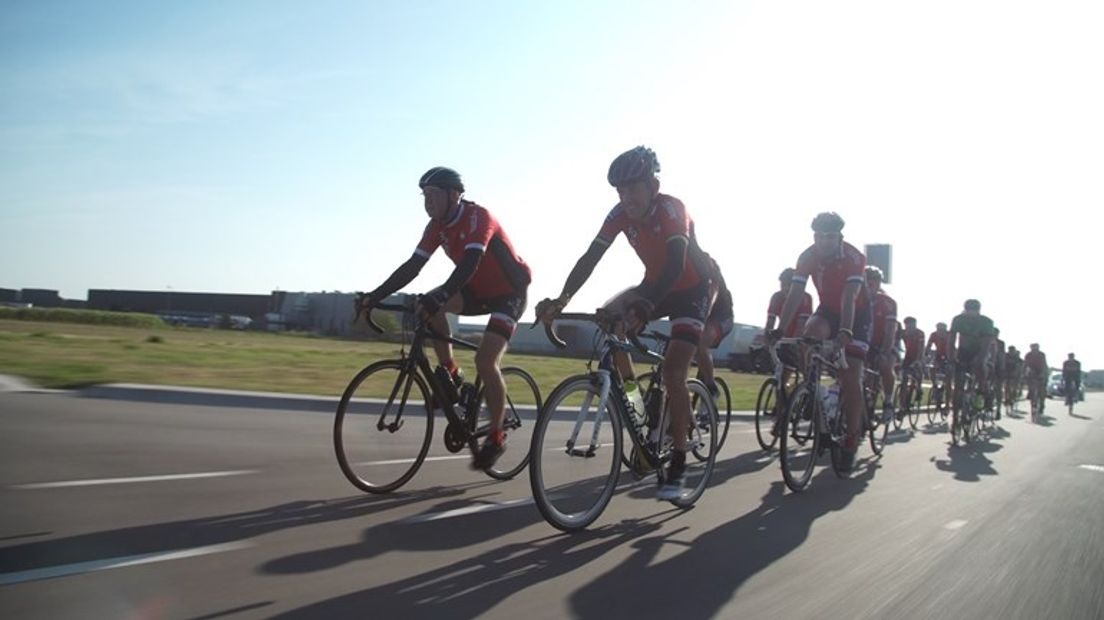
(88,317)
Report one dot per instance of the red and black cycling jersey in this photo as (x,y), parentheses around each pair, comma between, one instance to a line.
(940,340)
(885,310)
(804,310)
(831,274)
(914,344)
(501,272)
(648,236)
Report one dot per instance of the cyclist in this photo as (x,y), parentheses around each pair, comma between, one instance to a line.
(1071,378)
(997,354)
(913,338)
(1013,374)
(939,340)
(882,356)
(837,269)
(676,284)
(489,278)
(1035,374)
(774,309)
(970,340)
(718,324)
(794,328)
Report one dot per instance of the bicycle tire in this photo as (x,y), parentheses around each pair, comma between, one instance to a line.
(515,423)
(799,430)
(914,405)
(343,443)
(724,410)
(703,432)
(898,400)
(933,405)
(552,502)
(879,426)
(765,416)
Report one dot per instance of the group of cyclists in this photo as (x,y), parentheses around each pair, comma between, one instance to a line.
(684,284)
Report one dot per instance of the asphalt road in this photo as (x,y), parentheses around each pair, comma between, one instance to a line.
(123,509)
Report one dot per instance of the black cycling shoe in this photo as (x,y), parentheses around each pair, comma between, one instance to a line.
(487,455)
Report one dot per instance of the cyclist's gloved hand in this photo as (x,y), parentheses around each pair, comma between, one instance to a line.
(548,309)
(432,302)
(363,302)
(773,335)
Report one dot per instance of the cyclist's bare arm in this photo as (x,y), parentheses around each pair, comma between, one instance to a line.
(582,270)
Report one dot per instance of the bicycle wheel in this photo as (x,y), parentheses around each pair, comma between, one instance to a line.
(703,443)
(933,404)
(574,457)
(915,395)
(799,439)
(765,418)
(383,427)
(878,424)
(724,410)
(898,405)
(523,401)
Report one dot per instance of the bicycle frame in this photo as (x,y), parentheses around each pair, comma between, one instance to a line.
(609,382)
(417,361)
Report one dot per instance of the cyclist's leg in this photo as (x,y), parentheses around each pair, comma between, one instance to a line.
(439,323)
(676,370)
(488,359)
(704,357)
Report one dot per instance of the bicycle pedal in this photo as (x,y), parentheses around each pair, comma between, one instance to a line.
(588,453)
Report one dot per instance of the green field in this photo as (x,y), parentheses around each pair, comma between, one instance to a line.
(70,355)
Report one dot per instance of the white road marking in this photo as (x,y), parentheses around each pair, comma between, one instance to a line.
(954,525)
(94,482)
(1092,467)
(130,560)
(467,510)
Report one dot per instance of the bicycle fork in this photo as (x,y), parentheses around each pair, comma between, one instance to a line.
(396,423)
(584,410)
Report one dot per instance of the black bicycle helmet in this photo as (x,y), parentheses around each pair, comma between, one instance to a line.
(828,222)
(633,165)
(971,304)
(873,271)
(440,176)
(786,275)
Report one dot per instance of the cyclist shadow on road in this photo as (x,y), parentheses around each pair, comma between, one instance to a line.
(473,586)
(969,463)
(704,576)
(431,530)
(424,532)
(201,532)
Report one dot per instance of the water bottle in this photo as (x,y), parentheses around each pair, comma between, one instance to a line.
(634,399)
(831,400)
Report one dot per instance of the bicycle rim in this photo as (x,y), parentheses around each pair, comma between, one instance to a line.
(523,401)
(574,457)
(702,443)
(799,440)
(381,460)
(765,418)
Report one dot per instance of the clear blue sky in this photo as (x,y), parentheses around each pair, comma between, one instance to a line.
(250,146)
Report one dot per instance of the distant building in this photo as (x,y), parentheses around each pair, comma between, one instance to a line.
(171,302)
(40,297)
